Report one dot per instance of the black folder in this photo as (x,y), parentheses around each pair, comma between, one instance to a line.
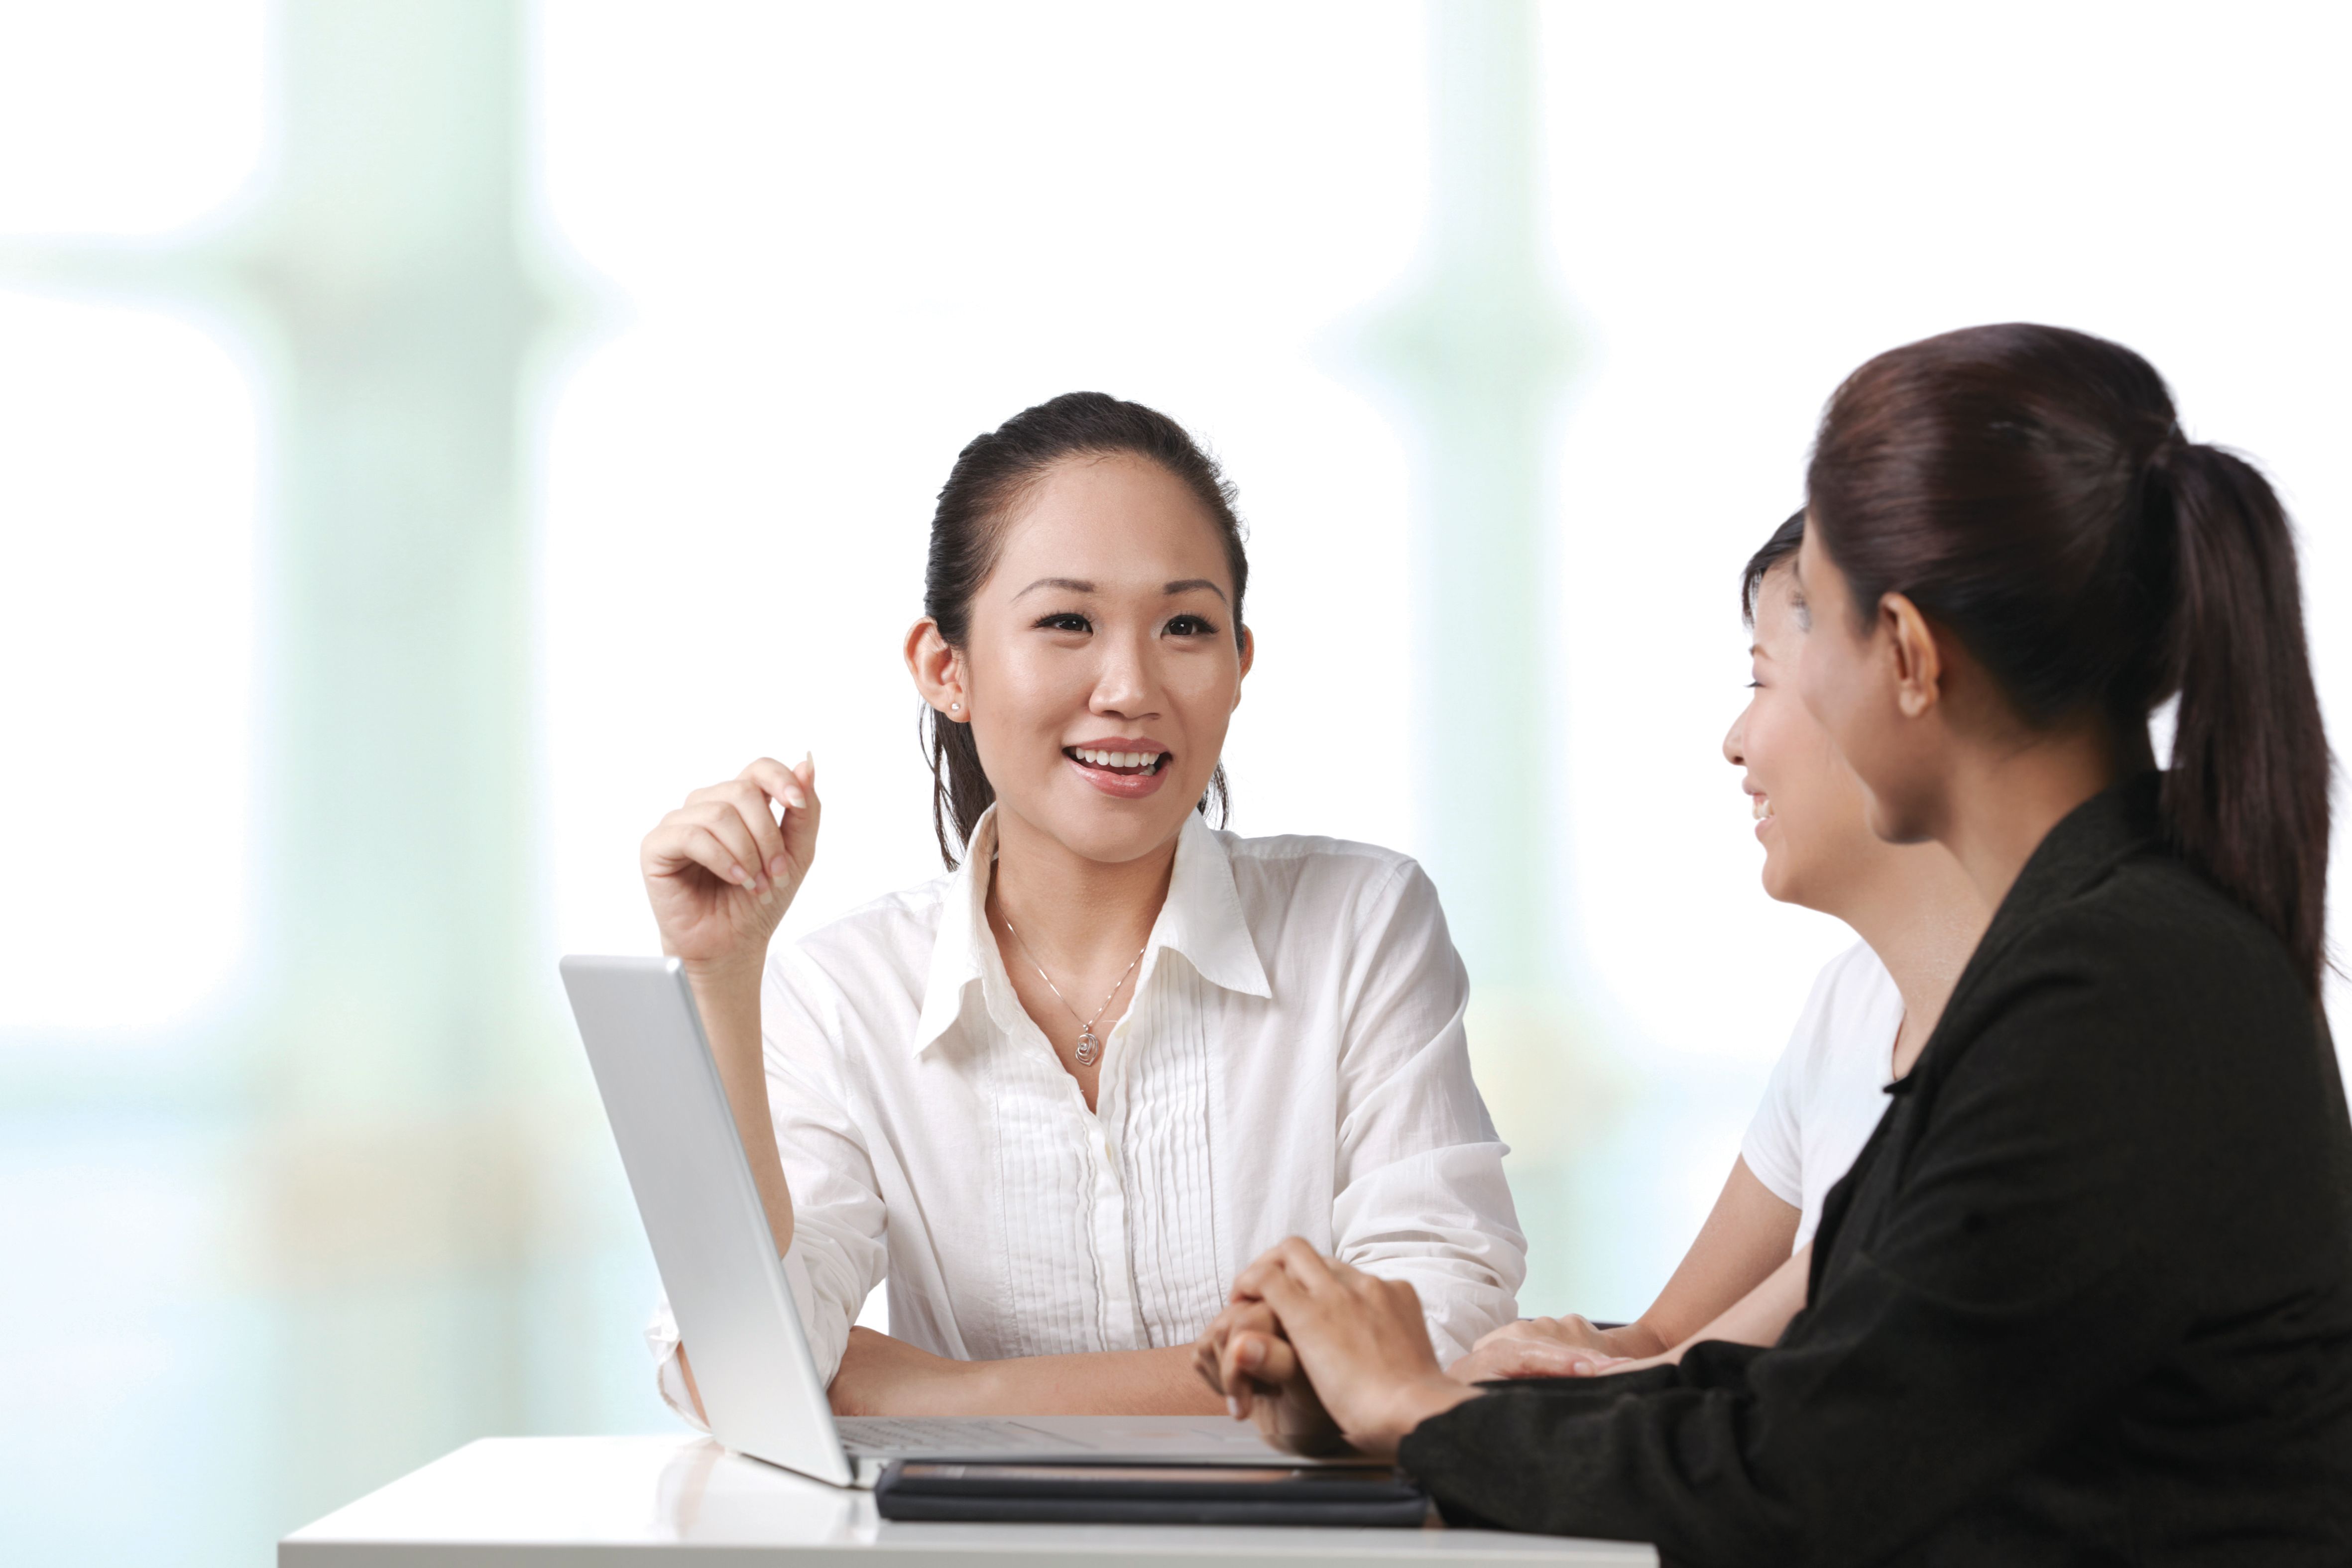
(1346,1495)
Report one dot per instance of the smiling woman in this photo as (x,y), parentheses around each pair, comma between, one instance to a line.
(1059,1096)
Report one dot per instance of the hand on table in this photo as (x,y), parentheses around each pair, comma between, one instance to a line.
(1243,1357)
(1353,1344)
(1539,1347)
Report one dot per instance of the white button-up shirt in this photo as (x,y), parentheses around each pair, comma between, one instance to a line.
(1292,1062)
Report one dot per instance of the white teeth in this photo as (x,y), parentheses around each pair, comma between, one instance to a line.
(1762,805)
(1100,758)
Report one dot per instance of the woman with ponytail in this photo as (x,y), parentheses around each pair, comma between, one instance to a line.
(2085,1296)
(1056,1099)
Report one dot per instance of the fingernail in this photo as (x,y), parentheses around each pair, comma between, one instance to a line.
(740,874)
(1250,1355)
(776,867)
(1232,1407)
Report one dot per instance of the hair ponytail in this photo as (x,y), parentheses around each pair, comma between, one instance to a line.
(2028,488)
(2246,798)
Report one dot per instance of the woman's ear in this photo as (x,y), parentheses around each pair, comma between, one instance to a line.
(1918,660)
(938,669)
(1249,657)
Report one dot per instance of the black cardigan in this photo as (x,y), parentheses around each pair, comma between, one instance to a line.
(2084,1297)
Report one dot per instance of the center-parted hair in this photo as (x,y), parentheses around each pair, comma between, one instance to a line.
(985,491)
(2030,489)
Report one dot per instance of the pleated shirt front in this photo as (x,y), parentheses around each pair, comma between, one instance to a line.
(1293,1062)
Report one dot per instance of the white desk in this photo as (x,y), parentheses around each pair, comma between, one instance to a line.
(643,1502)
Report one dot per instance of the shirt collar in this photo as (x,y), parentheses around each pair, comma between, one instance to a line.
(1201,919)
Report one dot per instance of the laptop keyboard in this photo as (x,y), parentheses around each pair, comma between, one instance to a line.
(960,1434)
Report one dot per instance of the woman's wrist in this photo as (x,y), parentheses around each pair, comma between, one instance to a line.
(1407,1407)
(1635,1341)
(729,976)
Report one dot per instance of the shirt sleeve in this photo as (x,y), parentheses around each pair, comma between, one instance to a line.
(1774,1145)
(837,1255)
(1421,1195)
(662,1340)
(2015,1285)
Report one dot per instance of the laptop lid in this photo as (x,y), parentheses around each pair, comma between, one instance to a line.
(702,1214)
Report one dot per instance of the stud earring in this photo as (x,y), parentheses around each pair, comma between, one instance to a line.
(955,707)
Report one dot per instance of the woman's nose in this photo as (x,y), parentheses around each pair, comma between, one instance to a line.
(1124,685)
(1735,742)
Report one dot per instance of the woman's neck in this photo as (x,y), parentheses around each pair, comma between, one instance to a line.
(2002,801)
(1079,911)
(1923,924)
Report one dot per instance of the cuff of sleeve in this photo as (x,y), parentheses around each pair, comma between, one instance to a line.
(828,1334)
(669,1375)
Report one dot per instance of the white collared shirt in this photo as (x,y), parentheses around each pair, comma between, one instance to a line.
(1292,1064)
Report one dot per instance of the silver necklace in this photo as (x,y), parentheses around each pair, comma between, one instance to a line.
(1090,1044)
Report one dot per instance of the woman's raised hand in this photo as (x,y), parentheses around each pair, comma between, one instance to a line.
(722,870)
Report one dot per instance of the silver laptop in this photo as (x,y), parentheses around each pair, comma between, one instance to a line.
(711,1240)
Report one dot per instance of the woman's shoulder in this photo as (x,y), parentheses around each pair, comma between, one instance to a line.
(2155,977)
(2154,920)
(1289,864)
(1850,1017)
(889,937)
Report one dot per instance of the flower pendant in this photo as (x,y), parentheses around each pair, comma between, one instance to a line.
(1088,1048)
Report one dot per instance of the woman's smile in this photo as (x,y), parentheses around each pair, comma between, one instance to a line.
(1126,768)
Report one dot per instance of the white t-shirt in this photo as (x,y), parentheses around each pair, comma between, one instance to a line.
(1292,1064)
(1829,1089)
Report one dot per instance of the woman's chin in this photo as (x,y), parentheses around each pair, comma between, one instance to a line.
(1108,829)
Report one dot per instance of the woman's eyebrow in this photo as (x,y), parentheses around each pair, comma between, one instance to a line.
(1067,585)
(1191,585)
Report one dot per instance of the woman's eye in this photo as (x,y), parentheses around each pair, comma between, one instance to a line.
(1067,620)
(1190,626)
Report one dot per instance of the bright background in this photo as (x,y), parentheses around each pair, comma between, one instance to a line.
(435,435)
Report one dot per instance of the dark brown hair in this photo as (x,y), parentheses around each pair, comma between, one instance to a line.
(1786,540)
(984,489)
(2028,488)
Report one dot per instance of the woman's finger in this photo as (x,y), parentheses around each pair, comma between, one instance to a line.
(1289,1254)
(679,842)
(1530,1358)
(698,845)
(1205,1364)
(795,789)
(778,782)
(725,823)
(1262,1358)
(1295,1307)
(801,826)
(1313,1271)
(749,801)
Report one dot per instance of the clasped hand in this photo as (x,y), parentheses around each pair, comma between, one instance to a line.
(1322,1355)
